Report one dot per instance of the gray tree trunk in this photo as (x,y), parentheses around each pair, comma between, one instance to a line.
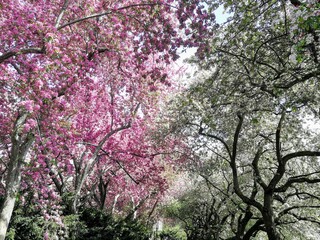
(21,144)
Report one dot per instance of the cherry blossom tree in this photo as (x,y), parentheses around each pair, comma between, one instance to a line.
(79,81)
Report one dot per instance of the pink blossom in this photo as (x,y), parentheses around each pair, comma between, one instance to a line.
(28,105)
(46,236)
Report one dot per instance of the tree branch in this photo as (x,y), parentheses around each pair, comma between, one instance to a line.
(10,54)
(301,154)
(233,165)
(105,13)
(287,210)
(281,164)
(255,166)
(216,138)
(107,136)
(291,181)
(62,11)
(253,229)
(299,80)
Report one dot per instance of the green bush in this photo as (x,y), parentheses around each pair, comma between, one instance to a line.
(172,233)
(103,226)
(90,224)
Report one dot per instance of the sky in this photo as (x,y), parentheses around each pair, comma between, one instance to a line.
(221,15)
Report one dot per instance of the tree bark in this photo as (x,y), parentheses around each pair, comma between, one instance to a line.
(268,218)
(21,144)
(90,164)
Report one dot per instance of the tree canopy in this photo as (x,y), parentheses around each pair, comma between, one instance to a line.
(252,115)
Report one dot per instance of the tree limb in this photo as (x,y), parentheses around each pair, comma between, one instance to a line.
(255,166)
(10,54)
(291,181)
(201,132)
(104,14)
(234,167)
(301,154)
(281,164)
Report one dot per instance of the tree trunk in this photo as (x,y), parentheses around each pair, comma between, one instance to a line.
(79,183)
(268,218)
(21,144)
(12,187)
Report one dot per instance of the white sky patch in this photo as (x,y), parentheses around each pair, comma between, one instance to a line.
(221,15)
